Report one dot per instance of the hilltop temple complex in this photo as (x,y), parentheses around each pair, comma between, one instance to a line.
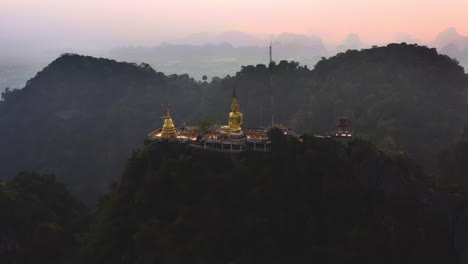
(231,137)
(228,138)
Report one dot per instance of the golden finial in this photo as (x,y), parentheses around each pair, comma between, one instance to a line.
(234,95)
(168,111)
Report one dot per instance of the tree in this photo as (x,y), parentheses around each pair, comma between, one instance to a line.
(205,125)
(41,217)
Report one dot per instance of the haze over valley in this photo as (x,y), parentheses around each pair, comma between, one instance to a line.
(216,38)
(215,54)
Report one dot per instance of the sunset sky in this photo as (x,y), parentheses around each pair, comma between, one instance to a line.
(148,22)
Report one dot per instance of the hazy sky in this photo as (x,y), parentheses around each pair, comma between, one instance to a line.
(119,22)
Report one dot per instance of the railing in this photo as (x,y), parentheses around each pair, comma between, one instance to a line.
(233,146)
(170,139)
(220,145)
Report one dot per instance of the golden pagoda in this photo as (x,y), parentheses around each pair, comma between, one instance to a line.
(235,118)
(168,129)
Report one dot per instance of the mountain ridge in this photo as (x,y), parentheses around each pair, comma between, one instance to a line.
(81,116)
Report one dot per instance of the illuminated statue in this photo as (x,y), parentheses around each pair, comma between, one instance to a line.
(235,117)
(168,129)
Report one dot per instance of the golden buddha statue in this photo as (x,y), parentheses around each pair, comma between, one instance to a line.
(235,117)
(168,129)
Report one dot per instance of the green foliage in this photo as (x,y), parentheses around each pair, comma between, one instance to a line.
(9,95)
(40,218)
(454,163)
(361,149)
(205,125)
(312,201)
(87,115)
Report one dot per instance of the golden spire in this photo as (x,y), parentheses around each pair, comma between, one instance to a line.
(168,112)
(168,129)
(234,96)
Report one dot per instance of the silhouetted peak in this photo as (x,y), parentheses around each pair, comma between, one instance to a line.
(397,53)
(69,63)
(451,36)
(298,39)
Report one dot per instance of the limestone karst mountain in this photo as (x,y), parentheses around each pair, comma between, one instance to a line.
(80,117)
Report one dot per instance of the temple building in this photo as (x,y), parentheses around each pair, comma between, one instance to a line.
(343,129)
(233,137)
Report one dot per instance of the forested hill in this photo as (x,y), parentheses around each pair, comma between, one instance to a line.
(316,201)
(39,220)
(401,96)
(80,117)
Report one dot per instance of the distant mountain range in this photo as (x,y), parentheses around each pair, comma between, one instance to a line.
(223,58)
(242,39)
(220,54)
